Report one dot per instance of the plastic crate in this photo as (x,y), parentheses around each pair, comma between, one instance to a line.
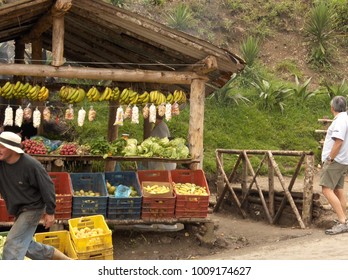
(63,188)
(89,205)
(103,254)
(93,243)
(158,206)
(4,216)
(191,205)
(60,240)
(127,207)
(154,176)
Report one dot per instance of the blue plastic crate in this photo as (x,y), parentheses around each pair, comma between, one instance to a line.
(124,207)
(89,205)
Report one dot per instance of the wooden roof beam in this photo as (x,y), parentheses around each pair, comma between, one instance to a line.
(203,67)
(144,76)
(58,10)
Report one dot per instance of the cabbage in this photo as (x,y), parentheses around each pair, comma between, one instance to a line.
(130,150)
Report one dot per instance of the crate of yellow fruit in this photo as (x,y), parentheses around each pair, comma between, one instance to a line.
(90,233)
(192,193)
(158,200)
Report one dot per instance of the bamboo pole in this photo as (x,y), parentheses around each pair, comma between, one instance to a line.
(308,191)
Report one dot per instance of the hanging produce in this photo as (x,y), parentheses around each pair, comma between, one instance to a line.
(135,114)
(168,113)
(8,121)
(175,109)
(27,113)
(152,115)
(69,113)
(161,109)
(127,113)
(36,118)
(46,114)
(81,117)
(19,116)
(119,116)
(91,114)
(146,111)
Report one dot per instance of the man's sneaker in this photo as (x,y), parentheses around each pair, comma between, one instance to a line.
(338,228)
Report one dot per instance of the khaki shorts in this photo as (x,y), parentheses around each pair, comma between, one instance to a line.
(332,175)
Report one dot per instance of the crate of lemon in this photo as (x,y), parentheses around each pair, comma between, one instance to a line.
(192,193)
(91,238)
(158,200)
(127,205)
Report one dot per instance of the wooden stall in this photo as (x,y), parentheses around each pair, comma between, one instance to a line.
(93,40)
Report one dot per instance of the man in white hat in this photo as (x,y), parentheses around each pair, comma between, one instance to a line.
(29,194)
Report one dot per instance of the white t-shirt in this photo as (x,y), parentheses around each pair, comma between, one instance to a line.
(337,129)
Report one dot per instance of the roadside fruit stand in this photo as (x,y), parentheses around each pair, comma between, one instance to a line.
(161,69)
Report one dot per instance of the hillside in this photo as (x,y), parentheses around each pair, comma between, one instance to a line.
(280,25)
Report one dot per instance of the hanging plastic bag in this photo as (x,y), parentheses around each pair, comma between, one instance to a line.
(8,121)
(91,114)
(135,114)
(19,116)
(81,117)
(36,118)
(27,113)
(152,115)
(46,114)
(168,113)
(146,111)
(119,116)
(69,113)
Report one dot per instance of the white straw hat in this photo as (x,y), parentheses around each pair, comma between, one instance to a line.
(11,141)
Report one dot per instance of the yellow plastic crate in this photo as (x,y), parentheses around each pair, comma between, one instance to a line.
(60,240)
(86,244)
(104,254)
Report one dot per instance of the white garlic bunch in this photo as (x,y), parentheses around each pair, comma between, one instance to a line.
(36,118)
(135,114)
(119,116)
(168,113)
(152,115)
(81,117)
(8,121)
(19,116)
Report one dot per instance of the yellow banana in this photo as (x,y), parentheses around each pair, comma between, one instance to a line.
(6,86)
(81,95)
(115,94)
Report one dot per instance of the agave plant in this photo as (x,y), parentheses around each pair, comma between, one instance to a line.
(336,89)
(301,91)
(272,95)
(181,17)
(320,27)
(250,49)
(226,93)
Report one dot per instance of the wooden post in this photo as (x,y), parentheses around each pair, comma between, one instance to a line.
(220,182)
(58,41)
(196,122)
(112,132)
(308,190)
(271,189)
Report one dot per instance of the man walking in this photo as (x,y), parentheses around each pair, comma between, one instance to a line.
(335,163)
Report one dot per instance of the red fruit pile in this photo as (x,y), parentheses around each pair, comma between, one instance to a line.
(35,147)
(68,149)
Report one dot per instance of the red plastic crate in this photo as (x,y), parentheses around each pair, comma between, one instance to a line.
(158,206)
(63,188)
(154,176)
(4,216)
(191,205)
